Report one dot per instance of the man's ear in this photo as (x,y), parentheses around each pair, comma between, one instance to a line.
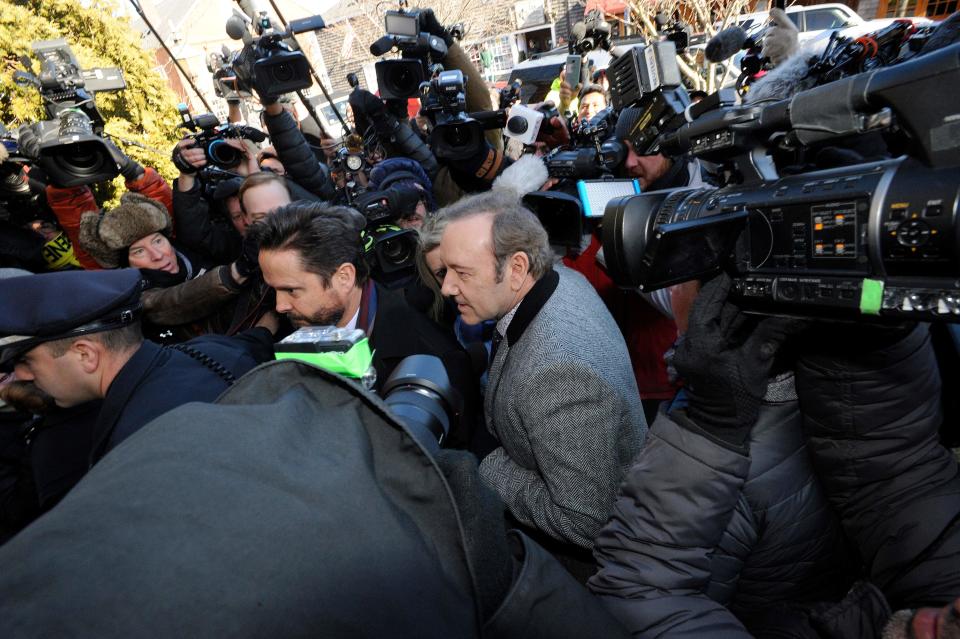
(89,352)
(518,267)
(345,277)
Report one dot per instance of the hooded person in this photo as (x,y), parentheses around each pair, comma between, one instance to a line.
(404,174)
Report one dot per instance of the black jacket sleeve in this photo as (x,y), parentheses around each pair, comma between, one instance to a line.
(871,417)
(215,240)
(297,158)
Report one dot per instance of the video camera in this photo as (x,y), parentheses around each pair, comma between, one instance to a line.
(596,151)
(210,135)
(591,34)
(456,134)
(72,151)
(872,239)
(391,251)
(225,82)
(270,60)
(401,78)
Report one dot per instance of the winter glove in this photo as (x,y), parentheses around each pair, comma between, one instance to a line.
(782,39)
(369,109)
(725,359)
(29,142)
(430,24)
(130,169)
(248,263)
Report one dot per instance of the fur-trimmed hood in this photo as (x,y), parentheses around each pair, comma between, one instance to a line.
(106,235)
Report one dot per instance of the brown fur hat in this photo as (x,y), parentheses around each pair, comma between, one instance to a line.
(107,235)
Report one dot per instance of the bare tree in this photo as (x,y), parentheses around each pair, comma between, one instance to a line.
(704,16)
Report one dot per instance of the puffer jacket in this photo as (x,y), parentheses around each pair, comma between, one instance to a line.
(299,161)
(871,415)
(704,541)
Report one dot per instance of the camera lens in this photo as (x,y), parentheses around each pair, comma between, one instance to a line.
(82,158)
(419,393)
(517,125)
(75,122)
(283,72)
(396,251)
(405,81)
(223,155)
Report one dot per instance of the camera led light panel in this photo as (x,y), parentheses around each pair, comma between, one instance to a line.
(594,194)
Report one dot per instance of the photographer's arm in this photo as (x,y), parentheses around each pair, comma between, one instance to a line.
(871,410)
(295,154)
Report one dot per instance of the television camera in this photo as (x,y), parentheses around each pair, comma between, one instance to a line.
(875,239)
(270,60)
(71,149)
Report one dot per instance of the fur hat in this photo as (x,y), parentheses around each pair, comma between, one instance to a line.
(107,235)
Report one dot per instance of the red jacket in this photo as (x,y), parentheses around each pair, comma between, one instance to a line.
(68,204)
(647,332)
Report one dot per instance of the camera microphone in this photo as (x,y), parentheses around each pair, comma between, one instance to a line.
(382,45)
(237,29)
(725,44)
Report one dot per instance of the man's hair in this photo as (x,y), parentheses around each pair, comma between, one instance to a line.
(259,179)
(117,340)
(324,237)
(515,229)
(592,88)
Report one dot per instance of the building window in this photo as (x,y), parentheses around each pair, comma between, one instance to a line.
(940,8)
(502,54)
(893,6)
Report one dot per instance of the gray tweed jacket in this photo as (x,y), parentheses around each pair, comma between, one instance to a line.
(563,402)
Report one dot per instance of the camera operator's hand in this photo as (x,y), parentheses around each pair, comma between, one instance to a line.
(188,159)
(554,135)
(782,38)
(567,92)
(248,263)
(249,164)
(430,24)
(29,142)
(368,110)
(725,360)
(130,169)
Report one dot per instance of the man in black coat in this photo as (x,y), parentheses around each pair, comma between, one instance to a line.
(313,257)
(296,506)
(76,335)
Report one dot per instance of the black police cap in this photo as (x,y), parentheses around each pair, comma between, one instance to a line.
(41,308)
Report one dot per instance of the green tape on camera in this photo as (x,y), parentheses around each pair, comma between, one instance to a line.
(341,351)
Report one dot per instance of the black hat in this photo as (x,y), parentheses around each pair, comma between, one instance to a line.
(42,308)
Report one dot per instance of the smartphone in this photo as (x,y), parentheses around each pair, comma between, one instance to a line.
(572,70)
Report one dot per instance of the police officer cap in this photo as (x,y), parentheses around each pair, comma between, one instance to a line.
(41,308)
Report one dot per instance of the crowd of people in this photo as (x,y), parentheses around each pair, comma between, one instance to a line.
(620,465)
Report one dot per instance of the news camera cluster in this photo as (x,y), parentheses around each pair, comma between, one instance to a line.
(863,239)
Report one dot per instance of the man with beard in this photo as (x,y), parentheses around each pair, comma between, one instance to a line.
(312,255)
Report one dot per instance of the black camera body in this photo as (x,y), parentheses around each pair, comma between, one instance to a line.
(271,61)
(72,151)
(873,239)
(210,135)
(596,151)
(401,78)
(456,134)
(591,34)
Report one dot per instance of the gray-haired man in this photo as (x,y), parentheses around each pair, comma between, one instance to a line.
(561,399)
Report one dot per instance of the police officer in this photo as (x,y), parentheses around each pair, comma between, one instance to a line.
(77,336)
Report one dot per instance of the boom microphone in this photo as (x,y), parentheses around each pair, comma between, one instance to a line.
(725,44)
